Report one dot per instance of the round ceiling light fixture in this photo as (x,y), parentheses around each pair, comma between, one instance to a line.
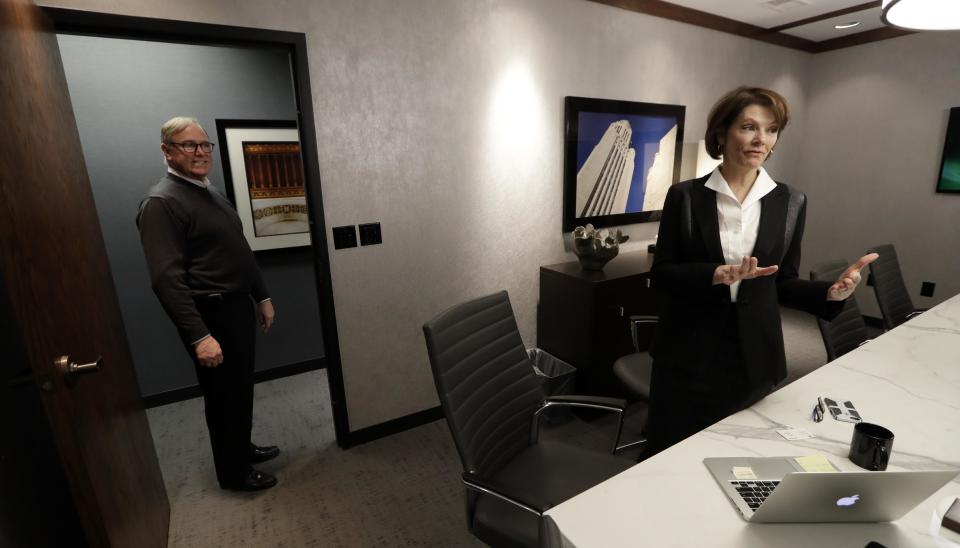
(921,14)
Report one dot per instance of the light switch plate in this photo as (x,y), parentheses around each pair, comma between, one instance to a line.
(370,234)
(344,237)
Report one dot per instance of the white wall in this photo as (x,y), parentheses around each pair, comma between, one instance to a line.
(876,120)
(443,120)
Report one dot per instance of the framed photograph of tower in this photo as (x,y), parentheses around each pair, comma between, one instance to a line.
(949,179)
(263,175)
(620,157)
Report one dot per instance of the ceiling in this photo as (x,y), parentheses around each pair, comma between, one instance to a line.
(775,13)
(806,25)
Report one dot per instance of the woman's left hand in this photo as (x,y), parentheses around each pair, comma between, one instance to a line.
(848,281)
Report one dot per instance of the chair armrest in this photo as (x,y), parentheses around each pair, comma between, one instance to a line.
(917,312)
(634,322)
(644,319)
(595,402)
(613,405)
(475,482)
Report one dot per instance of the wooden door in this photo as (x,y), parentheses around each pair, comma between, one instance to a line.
(61,299)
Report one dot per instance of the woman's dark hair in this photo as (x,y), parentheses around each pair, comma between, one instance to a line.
(726,110)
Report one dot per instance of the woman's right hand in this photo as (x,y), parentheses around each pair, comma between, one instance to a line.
(728,274)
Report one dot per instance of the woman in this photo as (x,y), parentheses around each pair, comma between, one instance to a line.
(727,257)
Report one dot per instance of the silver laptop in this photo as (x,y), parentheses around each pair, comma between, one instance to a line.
(783,493)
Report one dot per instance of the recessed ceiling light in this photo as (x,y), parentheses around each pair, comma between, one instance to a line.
(848,25)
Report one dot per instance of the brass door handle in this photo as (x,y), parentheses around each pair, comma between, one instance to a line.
(71,369)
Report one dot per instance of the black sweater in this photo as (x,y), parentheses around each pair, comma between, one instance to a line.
(194,245)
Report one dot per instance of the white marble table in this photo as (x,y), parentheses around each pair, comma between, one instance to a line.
(907,380)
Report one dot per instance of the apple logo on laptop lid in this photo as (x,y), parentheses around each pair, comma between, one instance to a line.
(848,501)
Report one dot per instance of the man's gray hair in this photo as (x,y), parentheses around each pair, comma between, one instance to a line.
(175,125)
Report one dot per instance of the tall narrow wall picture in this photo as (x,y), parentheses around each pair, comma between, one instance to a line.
(620,158)
(949,180)
(263,169)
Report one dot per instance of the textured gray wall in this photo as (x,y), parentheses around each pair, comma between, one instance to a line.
(122,91)
(464,101)
(877,117)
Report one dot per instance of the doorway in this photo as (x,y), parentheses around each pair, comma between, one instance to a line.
(125,74)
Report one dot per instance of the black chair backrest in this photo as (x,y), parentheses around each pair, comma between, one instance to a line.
(848,330)
(892,296)
(485,381)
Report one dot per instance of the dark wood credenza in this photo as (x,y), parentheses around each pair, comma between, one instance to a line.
(582,316)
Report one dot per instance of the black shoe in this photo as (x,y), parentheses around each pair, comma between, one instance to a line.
(263,454)
(255,481)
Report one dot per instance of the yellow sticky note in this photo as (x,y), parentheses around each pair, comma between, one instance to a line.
(815,463)
(744,473)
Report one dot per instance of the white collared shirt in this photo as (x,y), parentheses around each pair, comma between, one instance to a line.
(202,183)
(739,222)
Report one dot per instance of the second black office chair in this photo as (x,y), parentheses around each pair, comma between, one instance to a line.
(848,330)
(892,295)
(492,401)
(634,370)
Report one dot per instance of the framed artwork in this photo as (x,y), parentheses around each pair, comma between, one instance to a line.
(620,157)
(949,180)
(264,178)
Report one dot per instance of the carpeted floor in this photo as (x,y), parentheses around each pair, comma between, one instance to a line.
(403,490)
(398,491)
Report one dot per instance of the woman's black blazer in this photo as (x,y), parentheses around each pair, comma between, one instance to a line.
(688,252)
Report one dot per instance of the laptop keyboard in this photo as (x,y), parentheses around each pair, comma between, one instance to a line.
(754,492)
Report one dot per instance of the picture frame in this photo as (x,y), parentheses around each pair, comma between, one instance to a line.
(620,157)
(264,178)
(948,178)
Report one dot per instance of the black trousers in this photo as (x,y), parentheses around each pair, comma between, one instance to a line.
(228,388)
(686,398)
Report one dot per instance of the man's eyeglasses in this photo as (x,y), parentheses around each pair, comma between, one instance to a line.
(190,147)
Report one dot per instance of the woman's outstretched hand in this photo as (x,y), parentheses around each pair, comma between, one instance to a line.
(728,274)
(848,281)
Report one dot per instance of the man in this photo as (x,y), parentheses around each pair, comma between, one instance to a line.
(205,275)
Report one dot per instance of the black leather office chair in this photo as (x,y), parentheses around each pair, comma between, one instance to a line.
(892,296)
(634,370)
(492,401)
(848,330)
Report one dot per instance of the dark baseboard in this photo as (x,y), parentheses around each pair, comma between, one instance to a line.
(873,322)
(189,392)
(391,427)
(171,396)
(289,370)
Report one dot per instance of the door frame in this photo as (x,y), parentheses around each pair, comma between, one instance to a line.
(87,23)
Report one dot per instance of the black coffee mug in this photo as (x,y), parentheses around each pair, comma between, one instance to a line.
(871,445)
